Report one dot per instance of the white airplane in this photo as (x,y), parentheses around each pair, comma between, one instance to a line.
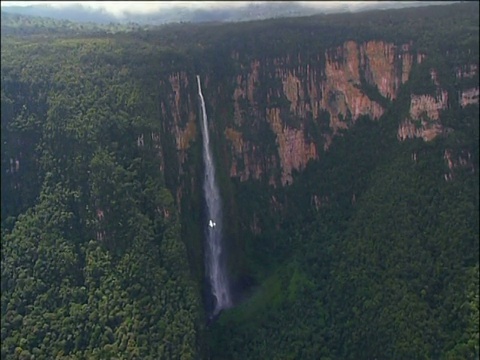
(212,224)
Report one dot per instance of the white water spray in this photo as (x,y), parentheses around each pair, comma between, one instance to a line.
(215,264)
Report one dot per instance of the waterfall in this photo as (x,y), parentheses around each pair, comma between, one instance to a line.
(214,257)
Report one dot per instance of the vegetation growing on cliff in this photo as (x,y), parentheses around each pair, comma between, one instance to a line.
(95,266)
(372,252)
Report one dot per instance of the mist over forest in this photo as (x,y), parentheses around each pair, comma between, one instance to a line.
(186,185)
(169,12)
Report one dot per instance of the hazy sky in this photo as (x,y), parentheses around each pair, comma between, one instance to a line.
(141,7)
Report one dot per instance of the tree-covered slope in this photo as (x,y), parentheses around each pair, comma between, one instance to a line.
(347,154)
(95,266)
(390,273)
(373,251)
(409,264)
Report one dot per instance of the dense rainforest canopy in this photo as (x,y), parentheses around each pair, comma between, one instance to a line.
(101,223)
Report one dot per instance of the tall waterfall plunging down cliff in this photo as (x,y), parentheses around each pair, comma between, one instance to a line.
(215,261)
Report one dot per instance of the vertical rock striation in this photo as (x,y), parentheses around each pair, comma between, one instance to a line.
(278,113)
(298,89)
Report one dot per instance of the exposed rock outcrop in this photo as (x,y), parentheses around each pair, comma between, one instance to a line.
(466,71)
(428,105)
(294,151)
(342,96)
(469,96)
(424,116)
(378,59)
(181,108)
(423,121)
(246,157)
(455,161)
(286,93)
(331,82)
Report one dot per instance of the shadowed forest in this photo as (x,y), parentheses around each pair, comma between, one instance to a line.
(370,251)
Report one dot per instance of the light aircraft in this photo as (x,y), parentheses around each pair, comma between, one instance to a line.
(212,224)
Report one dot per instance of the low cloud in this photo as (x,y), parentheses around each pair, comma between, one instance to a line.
(120,8)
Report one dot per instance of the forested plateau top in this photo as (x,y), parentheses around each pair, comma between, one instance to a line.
(346,150)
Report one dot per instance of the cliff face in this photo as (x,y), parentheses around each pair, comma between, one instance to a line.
(469,96)
(183,110)
(423,120)
(456,160)
(323,90)
(179,118)
(293,150)
(300,102)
